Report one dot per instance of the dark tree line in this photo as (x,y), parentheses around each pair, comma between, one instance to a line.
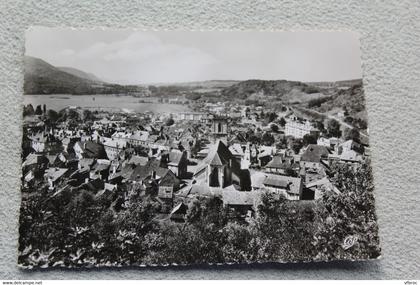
(77,228)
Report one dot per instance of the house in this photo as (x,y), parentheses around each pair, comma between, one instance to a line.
(241,201)
(283,165)
(330,143)
(100,169)
(54,176)
(66,143)
(139,138)
(113,146)
(66,160)
(79,149)
(168,183)
(190,116)
(122,136)
(115,166)
(178,163)
(35,160)
(350,145)
(220,169)
(28,177)
(138,160)
(155,177)
(299,128)
(85,163)
(52,159)
(316,189)
(347,156)
(35,164)
(94,150)
(265,153)
(79,177)
(38,141)
(313,156)
(108,190)
(289,187)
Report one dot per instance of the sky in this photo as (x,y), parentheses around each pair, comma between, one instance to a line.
(145,57)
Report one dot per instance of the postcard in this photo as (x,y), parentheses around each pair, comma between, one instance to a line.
(194,147)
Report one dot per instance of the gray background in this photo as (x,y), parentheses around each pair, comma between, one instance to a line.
(390,40)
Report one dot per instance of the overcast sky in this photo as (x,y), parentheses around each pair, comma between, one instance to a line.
(130,57)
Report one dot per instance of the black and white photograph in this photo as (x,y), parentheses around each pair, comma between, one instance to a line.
(162,148)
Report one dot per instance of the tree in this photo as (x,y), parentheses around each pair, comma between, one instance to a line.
(38,110)
(267,139)
(271,116)
(320,126)
(44,109)
(296,145)
(348,120)
(351,134)
(289,171)
(274,128)
(73,115)
(333,128)
(360,124)
(28,110)
(153,89)
(345,111)
(88,115)
(350,214)
(169,122)
(309,139)
(281,231)
(282,122)
(52,115)
(281,143)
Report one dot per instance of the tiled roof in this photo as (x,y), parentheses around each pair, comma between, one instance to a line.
(55,173)
(314,153)
(175,157)
(290,184)
(138,160)
(220,155)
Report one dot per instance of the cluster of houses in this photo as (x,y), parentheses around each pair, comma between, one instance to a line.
(200,154)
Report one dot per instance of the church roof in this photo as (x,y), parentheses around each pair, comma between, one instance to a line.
(220,155)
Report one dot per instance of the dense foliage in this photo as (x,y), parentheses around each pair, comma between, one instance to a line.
(76,227)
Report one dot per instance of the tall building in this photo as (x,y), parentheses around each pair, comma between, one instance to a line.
(219,128)
(298,129)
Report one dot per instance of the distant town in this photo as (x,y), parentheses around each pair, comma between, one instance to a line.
(228,150)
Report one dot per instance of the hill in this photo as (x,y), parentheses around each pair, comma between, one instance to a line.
(43,78)
(351,99)
(336,84)
(79,73)
(277,89)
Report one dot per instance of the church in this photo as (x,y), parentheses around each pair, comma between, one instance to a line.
(220,169)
